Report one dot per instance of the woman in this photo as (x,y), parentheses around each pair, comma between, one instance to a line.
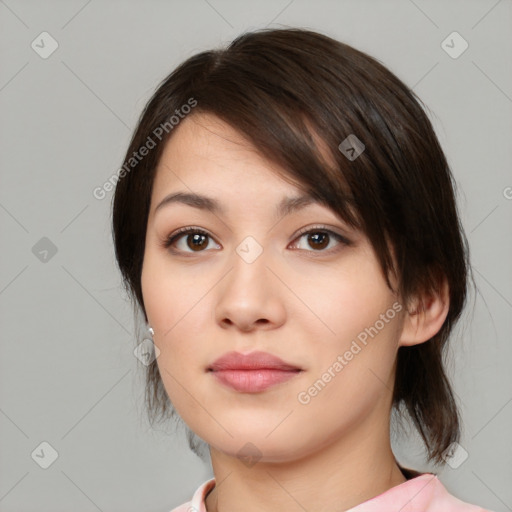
(285,220)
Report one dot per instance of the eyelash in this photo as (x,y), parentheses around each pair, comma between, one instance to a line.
(171,239)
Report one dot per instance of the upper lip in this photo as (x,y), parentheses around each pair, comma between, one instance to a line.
(253,361)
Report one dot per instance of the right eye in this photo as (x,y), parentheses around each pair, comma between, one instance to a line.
(194,239)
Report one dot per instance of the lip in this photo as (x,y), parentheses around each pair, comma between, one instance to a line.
(252,373)
(252,361)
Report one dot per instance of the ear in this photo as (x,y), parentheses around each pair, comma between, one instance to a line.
(425,316)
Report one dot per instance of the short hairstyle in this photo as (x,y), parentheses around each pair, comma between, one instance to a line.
(297,95)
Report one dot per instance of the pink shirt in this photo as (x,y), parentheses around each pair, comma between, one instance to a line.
(424,493)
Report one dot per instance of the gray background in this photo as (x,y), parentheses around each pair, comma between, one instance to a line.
(67,371)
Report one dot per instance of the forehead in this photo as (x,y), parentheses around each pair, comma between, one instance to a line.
(205,153)
(206,136)
(203,144)
(210,165)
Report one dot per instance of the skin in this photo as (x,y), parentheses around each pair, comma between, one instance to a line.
(303,304)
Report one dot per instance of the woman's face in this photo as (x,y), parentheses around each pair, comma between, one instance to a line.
(255,283)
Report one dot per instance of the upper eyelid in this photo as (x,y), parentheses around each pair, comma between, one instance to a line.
(318,227)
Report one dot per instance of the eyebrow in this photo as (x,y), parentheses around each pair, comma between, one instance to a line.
(285,207)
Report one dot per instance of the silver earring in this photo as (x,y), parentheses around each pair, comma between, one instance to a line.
(151,331)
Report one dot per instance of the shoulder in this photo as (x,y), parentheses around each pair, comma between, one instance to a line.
(424,493)
(442,498)
(197,503)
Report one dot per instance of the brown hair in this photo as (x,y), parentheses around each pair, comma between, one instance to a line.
(283,89)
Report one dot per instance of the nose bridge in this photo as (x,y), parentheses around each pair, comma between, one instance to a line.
(249,250)
(249,263)
(248,294)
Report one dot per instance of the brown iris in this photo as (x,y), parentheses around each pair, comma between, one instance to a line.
(319,240)
(198,241)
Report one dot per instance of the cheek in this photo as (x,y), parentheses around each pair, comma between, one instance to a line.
(335,306)
(355,319)
(175,303)
(170,293)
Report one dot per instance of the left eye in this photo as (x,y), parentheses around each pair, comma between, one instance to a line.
(197,240)
(319,239)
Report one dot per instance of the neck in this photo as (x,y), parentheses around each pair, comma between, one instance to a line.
(340,475)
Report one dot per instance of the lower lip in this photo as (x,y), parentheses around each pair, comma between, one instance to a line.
(252,381)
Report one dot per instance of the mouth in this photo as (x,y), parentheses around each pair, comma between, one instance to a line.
(252,373)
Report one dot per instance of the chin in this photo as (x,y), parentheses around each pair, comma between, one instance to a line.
(253,444)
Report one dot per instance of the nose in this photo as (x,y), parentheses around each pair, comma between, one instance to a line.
(250,296)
